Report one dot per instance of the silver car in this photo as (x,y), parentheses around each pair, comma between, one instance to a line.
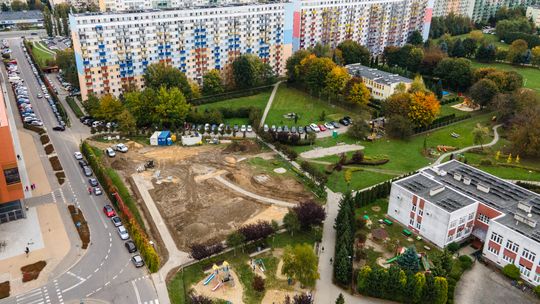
(122,232)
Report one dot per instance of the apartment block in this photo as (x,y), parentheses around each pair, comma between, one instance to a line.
(453,202)
(533,13)
(11,190)
(381,84)
(456,7)
(477,10)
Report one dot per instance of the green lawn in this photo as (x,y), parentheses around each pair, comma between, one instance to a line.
(487,38)
(258,101)
(405,156)
(181,283)
(308,108)
(531,76)
(447,109)
(41,55)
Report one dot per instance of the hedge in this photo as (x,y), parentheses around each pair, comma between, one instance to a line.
(44,139)
(315,173)
(38,130)
(441,122)
(290,153)
(74,107)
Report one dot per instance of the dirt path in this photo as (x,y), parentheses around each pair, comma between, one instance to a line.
(322,152)
(376,170)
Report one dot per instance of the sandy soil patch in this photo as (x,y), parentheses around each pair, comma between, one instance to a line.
(231,292)
(274,296)
(464,107)
(273,213)
(322,152)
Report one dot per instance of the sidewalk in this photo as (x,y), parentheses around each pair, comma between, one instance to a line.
(32,158)
(269,103)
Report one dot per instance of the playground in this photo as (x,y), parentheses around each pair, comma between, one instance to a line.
(206,192)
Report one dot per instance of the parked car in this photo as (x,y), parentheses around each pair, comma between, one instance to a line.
(273,128)
(301,130)
(335,124)
(110,152)
(59,128)
(285,128)
(249,129)
(130,246)
(314,127)
(97,191)
(122,232)
(243,128)
(266,128)
(322,127)
(93,182)
(109,211)
(329,126)
(87,171)
(78,155)
(38,123)
(117,222)
(137,261)
(344,122)
(293,129)
(122,148)
(82,163)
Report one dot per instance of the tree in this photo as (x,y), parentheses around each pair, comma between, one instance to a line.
(442,263)
(458,50)
(424,108)
(249,71)
(399,126)
(397,104)
(47,21)
(336,80)
(322,50)
(525,131)
(235,239)
(126,122)
(359,130)
(362,281)
(18,5)
(199,299)
(315,71)
(340,299)
(171,107)
(483,91)
(418,289)
(486,53)
(300,263)
(356,92)
(109,108)
(395,284)
(392,55)
(141,105)
(352,52)
(441,290)
(408,261)
(415,38)
(517,50)
(258,283)
(291,223)
(65,59)
(535,52)
(4,7)
(470,45)
(505,27)
(159,75)
(432,56)
(410,57)
(453,247)
(455,72)
(476,35)
(418,85)
(309,214)
(293,64)
(342,265)
(212,83)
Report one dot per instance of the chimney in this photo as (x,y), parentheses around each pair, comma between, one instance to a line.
(482,187)
(457,176)
(436,190)
(466,180)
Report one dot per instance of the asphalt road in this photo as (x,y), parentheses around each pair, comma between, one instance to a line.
(104,271)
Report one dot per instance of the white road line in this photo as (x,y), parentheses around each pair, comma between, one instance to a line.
(136,292)
(97,269)
(78,277)
(114,278)
(31,294)
(38,301)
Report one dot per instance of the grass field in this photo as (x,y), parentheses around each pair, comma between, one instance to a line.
(42,54)
(531,76)
(487,38)
(258,101)
(448,110)
(405,156)
(308,108)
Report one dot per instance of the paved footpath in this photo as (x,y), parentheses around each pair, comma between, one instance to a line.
(254,196)
(269,103)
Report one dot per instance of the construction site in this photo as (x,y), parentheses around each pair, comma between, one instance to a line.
(205,192)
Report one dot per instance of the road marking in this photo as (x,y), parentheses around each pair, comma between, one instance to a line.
(88,277)
(78,277)
(114,278)
(96,270)
(136,292)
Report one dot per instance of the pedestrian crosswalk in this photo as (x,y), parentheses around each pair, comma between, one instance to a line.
(36,296)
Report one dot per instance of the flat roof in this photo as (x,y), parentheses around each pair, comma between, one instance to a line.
(495,192)
(22,15)
(435,192)
(356,69)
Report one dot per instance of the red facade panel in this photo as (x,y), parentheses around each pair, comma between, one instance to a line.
(419,218)
(414,199)
(412,215)
(509,253)
(526,263)
(422,202)
(487,211)
(494,245)
(451,231)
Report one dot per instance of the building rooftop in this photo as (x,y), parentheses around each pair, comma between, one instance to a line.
(379,76)
(520,206)
(437,193)
(22,15)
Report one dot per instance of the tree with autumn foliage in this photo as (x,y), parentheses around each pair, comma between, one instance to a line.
(336,80)
(314,71)
(356,92)
(424,108)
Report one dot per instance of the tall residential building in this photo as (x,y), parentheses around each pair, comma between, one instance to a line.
(477,10)
(113,49)
(533,13)
(11,190)
(454,202)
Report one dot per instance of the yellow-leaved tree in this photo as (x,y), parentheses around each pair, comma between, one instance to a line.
(336,80)
(424,108)
(356,91)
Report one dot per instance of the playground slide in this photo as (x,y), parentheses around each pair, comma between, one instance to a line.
(392,259)
(210,278)
(217,286)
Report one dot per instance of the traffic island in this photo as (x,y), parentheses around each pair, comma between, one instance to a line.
(81,225)
(4,289)
(31,272)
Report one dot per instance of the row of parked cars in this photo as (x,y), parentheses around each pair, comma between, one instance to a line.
(210,128)
(311,128)
(91,122)
(108,210)
(44,94)
(111,152)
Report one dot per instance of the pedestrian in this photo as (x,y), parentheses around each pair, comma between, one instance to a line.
(330,261)
(26,188)
(18,157)
(34,186)
(322,248)
(27,251)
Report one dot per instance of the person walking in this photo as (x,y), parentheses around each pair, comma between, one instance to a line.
(18,157)
(25,188)
(27,251)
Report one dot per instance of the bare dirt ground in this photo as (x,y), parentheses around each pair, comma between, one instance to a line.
(198,208)
(231,291)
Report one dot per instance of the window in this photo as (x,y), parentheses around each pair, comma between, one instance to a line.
(537,278)
(493,250)
(512,246)
(462,220)
(12,176)
(414,208)
(418,224)
(508,259)
(496,238)
(420,212)
(467,230)
(471,216)
(450,238)
(459,234)
(452,224)
(524,270)
(528,255)
(483,218)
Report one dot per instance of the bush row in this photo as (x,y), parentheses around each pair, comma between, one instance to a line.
(319,177)
(444,122)
(74,107)
(288,151)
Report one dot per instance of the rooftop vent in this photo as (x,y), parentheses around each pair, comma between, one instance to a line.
(525,207)
(442,172)
(436,190)
(483,187)
(527,220)
(457,176)
(466,180)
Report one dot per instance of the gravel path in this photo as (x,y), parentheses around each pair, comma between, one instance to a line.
(322,152)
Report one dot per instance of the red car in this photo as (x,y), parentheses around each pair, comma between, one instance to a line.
(109,211)
(322,127)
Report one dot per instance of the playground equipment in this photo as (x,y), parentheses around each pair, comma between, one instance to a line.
(223,276)
(425,262)
(400,252)
(217,286)
(260,263)
(215,271)
(441,148)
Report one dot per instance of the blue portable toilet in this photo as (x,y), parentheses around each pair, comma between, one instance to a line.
(163,136)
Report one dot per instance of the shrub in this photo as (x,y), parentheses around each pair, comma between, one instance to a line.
(201,251)
(38,130)
(466,262)
(399,127)
(361,236)
(357,157)
(453,247)
(309,214)
(49,149)
(44,139)
(61,177)
(258,283)
(31,272)
(55,163)
(199,299)
(359,130)
(511,271)
(537,291)
(256,231)
(290,153)
(486,162)
(318,176)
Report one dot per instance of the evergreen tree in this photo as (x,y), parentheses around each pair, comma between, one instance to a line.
(343,266)
(429,293)
(340,299)
(408,261)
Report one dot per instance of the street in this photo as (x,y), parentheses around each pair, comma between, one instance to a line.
(104,270)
